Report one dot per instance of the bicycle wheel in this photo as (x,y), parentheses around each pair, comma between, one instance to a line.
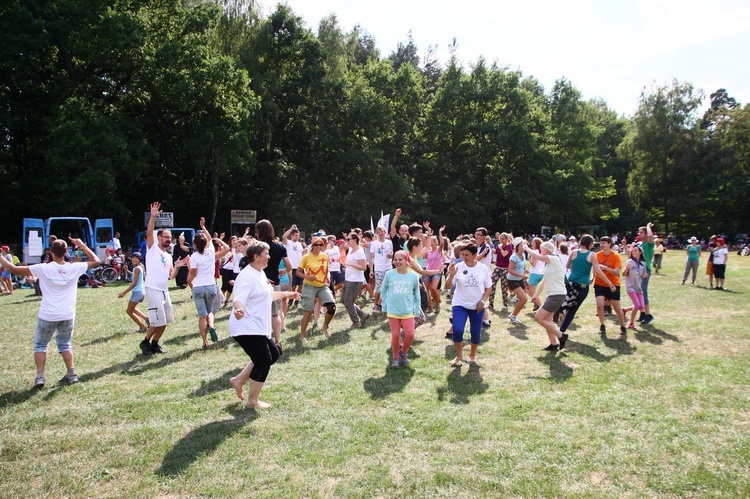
(109,275)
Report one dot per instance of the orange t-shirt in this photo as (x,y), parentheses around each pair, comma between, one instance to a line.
(612,261)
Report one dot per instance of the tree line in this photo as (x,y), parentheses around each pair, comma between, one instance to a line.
(209,106)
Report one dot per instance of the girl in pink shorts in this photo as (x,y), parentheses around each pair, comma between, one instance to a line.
(635,270)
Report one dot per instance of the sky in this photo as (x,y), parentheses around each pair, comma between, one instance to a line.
(608,49)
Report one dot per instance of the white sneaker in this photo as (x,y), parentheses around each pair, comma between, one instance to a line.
(514,320)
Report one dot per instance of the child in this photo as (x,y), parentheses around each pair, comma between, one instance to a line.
(401,303)
(138,293)
(635,270)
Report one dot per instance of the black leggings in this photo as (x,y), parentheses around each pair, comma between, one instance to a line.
(574,299)
(262,351)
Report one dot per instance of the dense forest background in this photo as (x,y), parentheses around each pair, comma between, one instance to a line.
(208,106)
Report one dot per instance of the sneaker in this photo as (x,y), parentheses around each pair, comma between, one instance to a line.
(395,363)
(39,382)
(212,334)
(69,379)
(563,340)
(623,330)
(602,329)
(536,307)
(607,310)
(551,348)
(514,320)
(404,358)
(642,317)
(145,347)
(486,323)
(649,319)
(376,309)
(156,348)
(504,309)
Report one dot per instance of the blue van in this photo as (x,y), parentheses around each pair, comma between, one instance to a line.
(98,238)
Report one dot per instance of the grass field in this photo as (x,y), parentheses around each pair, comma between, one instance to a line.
(663,413)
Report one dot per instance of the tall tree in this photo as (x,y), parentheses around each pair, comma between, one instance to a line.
(661,147)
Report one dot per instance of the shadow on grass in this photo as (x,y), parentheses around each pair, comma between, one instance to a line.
(619,344)
(167,360)
(182,339)
(519,332)
(215,385)
(204,440)
(559,371)
(16,397)
(111,337)
(658,333)
(393,381)
(460,388)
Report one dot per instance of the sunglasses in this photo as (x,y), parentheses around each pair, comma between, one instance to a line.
(317,244)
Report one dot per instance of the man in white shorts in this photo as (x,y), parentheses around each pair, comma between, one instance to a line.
(159,270)
(58,281)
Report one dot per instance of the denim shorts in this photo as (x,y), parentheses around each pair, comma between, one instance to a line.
(45,330)
(203,297)
(137,296)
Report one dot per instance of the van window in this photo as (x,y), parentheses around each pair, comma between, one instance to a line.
(103,235)
(65,228)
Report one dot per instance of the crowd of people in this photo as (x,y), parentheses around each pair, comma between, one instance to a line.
(405,274)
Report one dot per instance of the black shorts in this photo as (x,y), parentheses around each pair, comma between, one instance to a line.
(607,293)
(296,281)
(516,284)
(720,270)
(226,276)
(367,275)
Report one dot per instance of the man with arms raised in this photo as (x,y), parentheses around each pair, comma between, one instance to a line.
(58,281)
(159,270)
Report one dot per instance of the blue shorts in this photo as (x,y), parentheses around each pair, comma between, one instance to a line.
(137,296)
(337,277)
(535,279)
(203,297)
(296,281)
(45,330)
(5,274)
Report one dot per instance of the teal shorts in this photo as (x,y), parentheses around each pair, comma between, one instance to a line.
(535,279)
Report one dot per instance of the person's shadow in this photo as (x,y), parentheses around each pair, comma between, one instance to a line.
(204,440)
(393,381)
(558,370)
(460,388)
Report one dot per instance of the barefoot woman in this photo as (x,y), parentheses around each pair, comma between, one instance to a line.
(250,324)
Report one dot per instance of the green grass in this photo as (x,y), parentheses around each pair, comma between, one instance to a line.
(663,413)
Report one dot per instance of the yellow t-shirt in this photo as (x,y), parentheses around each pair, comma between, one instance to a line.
(316,265)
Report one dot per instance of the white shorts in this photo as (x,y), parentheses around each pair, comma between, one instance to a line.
(159,307)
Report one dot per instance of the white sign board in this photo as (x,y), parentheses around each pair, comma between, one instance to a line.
(35,244)
(165,219)
(244,216)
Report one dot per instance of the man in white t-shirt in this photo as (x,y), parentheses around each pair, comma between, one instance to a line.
(58,281)
(295,250)
(381,252)
(159,270)
(116,242)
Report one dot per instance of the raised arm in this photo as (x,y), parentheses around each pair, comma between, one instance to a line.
(285,235)
(93,259)
(394,222)
(152,223)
